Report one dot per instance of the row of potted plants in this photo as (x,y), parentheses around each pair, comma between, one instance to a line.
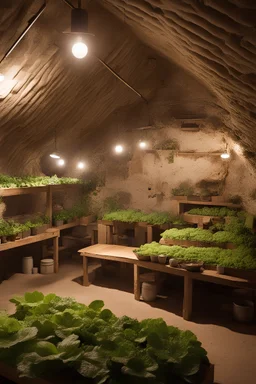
(65,216)
(11,230)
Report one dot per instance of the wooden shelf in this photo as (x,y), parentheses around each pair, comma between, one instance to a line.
(22,191)
(49,234)
(33,190)
(199,202)
(68,225)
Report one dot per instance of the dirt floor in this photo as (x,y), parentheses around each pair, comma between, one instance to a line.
(231,346)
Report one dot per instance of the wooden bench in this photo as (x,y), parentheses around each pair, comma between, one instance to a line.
(125,254)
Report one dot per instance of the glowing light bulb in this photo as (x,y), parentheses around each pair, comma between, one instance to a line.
(142,144)
(61,162)
(1,77)
(80,165)
(119,148)
(55,155)
(80,50)
(225,155)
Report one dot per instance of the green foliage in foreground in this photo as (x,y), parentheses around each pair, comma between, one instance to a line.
(133,216)
(35,181)
(48,334)
(240,258)
(213,211)
(204,235)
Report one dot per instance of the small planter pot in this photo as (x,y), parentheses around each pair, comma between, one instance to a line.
(148,291)
(3,239)
(243,311)
(26,233)
(11,238)
(154,258)
(19,236)
(58,223)
(162,259)
(173,263)
(220,269)
(141,257)
(38,230)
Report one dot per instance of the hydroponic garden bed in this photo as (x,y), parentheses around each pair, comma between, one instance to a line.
(35,181)
(50,335)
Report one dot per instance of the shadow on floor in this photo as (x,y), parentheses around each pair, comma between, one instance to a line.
(212,304)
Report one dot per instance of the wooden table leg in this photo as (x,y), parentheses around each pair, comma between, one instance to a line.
(149,234)
(136,282)
(188,296)
(109,231)
(56,253)
(85,268)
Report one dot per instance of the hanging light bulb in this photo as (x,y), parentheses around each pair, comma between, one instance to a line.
(119,148)
(80,50)
(1,77)
(225,155)
(55,154)
(143,144)
(61,162)
(80,165)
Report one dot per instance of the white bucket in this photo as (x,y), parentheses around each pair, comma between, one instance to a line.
(46,266)
(243,311)
(148,291)
(27,265)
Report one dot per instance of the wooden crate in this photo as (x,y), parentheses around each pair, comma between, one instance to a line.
(11,374)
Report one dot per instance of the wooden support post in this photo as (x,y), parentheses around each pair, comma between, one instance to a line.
(109,234)
(136,282)
(44,251)
(149,234)
(188,297)
(56,253)
(49,203)
(139,234)
(102,234)
(85,274)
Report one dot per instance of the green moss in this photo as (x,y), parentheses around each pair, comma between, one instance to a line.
(240,258)
(184,189)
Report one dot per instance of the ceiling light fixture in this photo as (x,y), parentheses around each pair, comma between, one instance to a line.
(61,162)
(79,50)
(55,154)
(119,148)
(143,144)
(225,155)
(80,165)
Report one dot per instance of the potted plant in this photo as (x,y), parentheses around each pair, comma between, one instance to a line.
(184,190)
(59,217)
(37,226)
(26,231)
(162,259)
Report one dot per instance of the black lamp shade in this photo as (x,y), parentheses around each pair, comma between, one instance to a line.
(79,20)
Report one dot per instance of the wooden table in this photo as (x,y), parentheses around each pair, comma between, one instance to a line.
(51,233)
(124,254)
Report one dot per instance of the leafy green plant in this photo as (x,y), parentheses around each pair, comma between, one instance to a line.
(133,216)
(213,211)
(241,258)
(50,333)
(33,181)
(184,189)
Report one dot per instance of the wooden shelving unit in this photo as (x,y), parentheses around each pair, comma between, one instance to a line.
(51,233)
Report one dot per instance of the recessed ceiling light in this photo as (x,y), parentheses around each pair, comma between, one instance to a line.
(119,148)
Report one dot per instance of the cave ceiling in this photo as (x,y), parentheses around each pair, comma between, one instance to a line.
(212,40)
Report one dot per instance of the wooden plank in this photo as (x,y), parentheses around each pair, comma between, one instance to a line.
(220,204)
(56,254)
(136,282)
(149,234)
(188,298)
(68,225)
(179,153)
(29,240)
(102,233)
(109,234)
(22,191)
(85,272)
(49,202)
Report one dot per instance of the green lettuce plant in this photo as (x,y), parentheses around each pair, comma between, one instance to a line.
(213,211)
(35,181)
(241,258)
(54,334)
(133,216)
